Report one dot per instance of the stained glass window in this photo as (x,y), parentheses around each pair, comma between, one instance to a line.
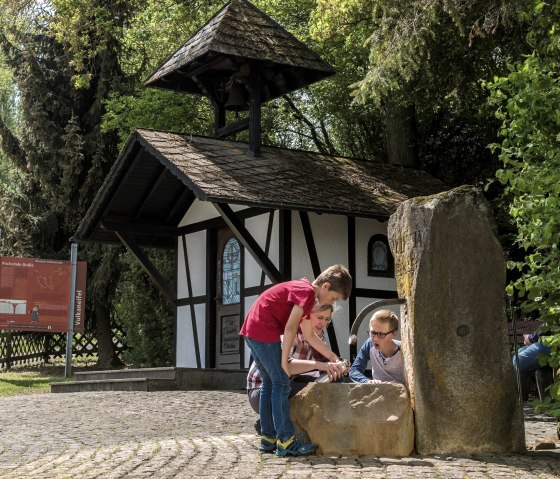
(231,266)
(379,256)
(380,259)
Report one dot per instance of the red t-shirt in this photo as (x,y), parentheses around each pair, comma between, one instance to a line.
(269,314)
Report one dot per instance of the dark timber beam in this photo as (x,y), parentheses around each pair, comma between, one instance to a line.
(243,235)
(351,231)
(148,266)
(285,233)
(141,228)
(268,238)
(234,127)
(308,235)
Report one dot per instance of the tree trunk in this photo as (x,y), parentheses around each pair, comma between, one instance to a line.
(106,355)
(400,126)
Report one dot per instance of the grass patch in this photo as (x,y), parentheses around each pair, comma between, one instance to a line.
(28,382)
(36,379)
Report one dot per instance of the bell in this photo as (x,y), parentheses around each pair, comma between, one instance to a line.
(237,100)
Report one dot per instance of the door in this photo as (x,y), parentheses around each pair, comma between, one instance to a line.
(228,311)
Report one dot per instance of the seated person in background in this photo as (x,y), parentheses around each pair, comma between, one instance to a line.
(382,349)
(306,364)
(529,360)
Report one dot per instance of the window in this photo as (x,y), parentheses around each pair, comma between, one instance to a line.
(380,259)
(231,265)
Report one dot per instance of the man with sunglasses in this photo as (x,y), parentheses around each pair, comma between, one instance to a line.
(382,349)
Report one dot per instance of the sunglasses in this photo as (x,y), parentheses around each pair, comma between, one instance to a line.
(380,335)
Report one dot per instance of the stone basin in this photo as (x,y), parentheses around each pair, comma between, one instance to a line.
(347,419)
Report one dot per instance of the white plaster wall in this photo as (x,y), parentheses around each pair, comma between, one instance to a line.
(341,328)
(186,357)
(196,251)
(330,238)
(365,229)
(199,211)
(258,226)
(203,210)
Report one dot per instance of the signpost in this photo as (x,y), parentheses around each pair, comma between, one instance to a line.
(71,307)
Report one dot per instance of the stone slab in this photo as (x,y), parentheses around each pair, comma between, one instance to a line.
(355,419)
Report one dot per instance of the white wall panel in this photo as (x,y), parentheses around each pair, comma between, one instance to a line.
(301,265)
(331,239)
(341,328)
(186,357)
(199,211)
(196,250)
(204,210)
(258,226)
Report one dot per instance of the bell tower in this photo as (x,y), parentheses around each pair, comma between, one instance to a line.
(240,59)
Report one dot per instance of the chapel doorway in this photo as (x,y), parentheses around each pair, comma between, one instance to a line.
(228,306)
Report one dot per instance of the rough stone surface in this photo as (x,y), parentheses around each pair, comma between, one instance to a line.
(355,419)
(450,267)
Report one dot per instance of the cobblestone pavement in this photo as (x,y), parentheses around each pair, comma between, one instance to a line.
(206,434)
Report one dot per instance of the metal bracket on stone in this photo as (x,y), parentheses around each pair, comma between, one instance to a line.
(370,307)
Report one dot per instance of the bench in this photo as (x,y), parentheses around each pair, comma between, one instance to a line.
(544,376)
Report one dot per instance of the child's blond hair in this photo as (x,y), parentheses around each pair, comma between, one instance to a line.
(386,316)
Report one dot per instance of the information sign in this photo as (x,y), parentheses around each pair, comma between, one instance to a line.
(35,294)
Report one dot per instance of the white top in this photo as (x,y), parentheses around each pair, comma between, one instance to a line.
(387,369)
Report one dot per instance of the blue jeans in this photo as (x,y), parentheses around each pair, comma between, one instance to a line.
(274,408)
(529,358)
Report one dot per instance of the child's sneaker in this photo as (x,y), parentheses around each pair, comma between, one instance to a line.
(268,444)
(293,447)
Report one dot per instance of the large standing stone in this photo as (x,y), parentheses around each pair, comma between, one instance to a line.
(450,267)
(355,419)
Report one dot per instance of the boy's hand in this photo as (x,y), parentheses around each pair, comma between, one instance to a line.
(334,370)
(333,358)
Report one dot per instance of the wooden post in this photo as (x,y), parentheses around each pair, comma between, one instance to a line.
(9,350)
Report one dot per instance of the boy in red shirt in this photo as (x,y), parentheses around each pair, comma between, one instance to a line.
(276,312)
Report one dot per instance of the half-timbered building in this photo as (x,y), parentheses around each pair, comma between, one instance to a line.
(242,216)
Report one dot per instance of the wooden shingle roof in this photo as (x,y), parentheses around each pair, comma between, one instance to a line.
(220,171)
(237,34)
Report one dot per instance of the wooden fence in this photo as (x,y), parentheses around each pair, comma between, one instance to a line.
(26,348)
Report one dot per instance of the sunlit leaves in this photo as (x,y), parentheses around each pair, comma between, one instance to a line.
(527,102)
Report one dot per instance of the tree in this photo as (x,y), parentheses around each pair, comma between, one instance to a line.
(58,149)
(527,100)
(423,63)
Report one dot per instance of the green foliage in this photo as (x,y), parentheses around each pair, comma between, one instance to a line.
(157,109)
(421,44)
(527,100)
(145,314)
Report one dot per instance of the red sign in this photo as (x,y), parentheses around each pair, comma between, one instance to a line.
(35,294)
